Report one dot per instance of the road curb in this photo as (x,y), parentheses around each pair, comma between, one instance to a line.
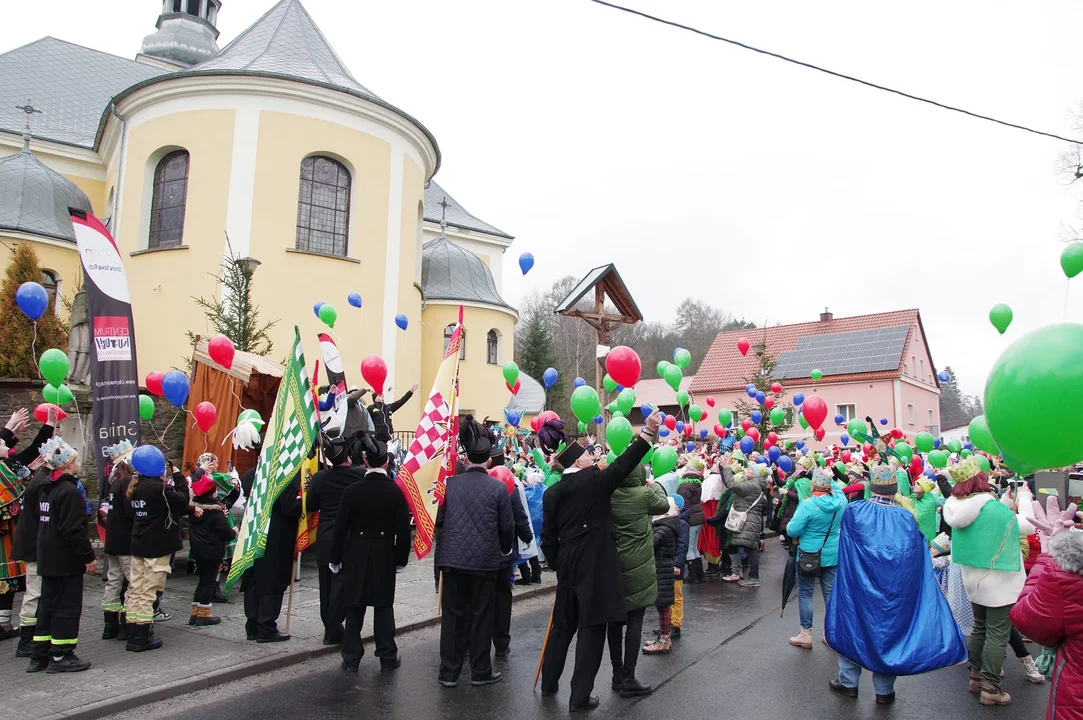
(214,678)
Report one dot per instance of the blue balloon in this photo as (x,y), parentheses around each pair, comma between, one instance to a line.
(762,460)
(598,420)
(703,434)
(32,299)
(760,397)
(354,299)
(175,387)
(800,444)
(316,308)
(514,417)
(798,398)
(690,447)
(680,426)
(401,321)
(785,464)
(526,261)
(840,420)
(663,417)
(936,444)
(549,377)
(751,391)
(930,473)
(804,451)
(148,461)
(646,409)
(578,382)
(747,445)
(774,453)
(618,389)
(943,376)
(845,439)
(969,446)
(663,432)
(756,417)
(883,421)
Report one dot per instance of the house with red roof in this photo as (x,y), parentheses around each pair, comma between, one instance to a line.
(877,366)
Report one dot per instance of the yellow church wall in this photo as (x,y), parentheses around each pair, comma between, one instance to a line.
(94,190)
(163,282)
(409,345)
(481,386)
(287,283)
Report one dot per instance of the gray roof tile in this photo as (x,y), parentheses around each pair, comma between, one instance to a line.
(35,199)
(457,216)
(531,397)
(449,272)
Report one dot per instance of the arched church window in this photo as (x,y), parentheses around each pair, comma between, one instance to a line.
(169,195)
(448,331)
(49,282)
(492,347)
(323,207)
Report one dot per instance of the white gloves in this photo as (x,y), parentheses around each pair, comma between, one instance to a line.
(335,568)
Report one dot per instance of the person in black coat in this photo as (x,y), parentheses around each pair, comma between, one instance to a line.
(118,546)
(667,533)
(325,494)
(477,531)
(266,581)
(64,556)
(156,506)
(381,412)
(208,535)
(369,545)
(502,614)
(577,541)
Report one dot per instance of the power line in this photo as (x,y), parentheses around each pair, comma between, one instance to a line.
(843,76)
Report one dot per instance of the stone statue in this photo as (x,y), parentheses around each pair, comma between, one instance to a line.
(79,341)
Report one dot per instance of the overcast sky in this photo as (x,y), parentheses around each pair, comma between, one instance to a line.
(702,169)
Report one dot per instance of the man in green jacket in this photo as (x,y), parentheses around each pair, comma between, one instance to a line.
(632,505)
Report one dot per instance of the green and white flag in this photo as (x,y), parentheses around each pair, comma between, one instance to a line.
(290,433)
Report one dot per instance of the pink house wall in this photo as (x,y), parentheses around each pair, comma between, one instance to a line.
(926,405)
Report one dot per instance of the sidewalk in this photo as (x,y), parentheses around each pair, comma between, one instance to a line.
(195,658)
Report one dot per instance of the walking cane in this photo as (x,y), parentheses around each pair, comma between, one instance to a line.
(545,644)
(440,595)
(289,604)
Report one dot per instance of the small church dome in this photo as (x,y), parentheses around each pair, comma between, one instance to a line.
(449,272)
(35,199)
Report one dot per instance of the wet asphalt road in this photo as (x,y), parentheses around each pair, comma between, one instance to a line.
(733,662)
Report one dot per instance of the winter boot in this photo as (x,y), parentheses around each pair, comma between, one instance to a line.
(618,676)
(993,695)
(141,640)
(219,596)
(205,618)
(802,639)
(630,687)
(195,614)
(697,570)
(112,626)
(712,569)
(1033,674)
(122,632)
(661,646)
(26,641)
(975,680)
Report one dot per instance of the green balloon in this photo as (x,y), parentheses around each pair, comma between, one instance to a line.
(841,467)
(802,421)
(618,433)
(511,374)
(146,407)
(584,401)
(626,400)
(938,459)
(1071,259)
(964,453)
(608,383)
(610,458)
(725,417)
(616,413)
(673,377)
(695,412)
(665,460)
(57,396)
(250,416)
(661,367)
(924,442)
(821,460)
(857,428)
(54,366)
(328,314)
(816,375)
(1039,369)
(648,457)
(682,397)
(740,433)
(612,407)
(682,358)
(983,462)
(778,416)
(1001,317)
(582,426)
(955,446)
(904,450)
(981,437)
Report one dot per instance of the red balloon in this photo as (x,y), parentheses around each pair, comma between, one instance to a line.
(867,448)
(776,388)
(546,417)
(504,475)
(374,370)
(819,432)
(205,414)
(719,431)
(897,433)
(514,389)
(815,411)
(743,345)
(746,424)
(41,412)
(221,350)
(623,366)
(754,433)
(916,466)
(767,445)
(688,429)
(535,423)
(846,456)
(154,383)
(772,437)
(671,422)
(769,402)
(710,401)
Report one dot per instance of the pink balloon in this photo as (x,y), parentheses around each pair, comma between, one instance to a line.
(205,414)
(622,364)
(374,370)
(221,350)
(815,411)
(743,345)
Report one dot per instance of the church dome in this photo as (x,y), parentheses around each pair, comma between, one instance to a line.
(449,272)
(35,199)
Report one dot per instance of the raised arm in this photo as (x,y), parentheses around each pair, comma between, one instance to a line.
(633,455)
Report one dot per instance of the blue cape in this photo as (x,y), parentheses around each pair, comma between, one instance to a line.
(887,613)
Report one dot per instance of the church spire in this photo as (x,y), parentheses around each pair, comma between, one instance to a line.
(187,32)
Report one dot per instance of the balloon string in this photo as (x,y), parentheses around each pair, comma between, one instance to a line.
(79,417)
(34,350)
(161,438)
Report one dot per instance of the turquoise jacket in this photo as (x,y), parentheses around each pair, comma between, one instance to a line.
(812,521)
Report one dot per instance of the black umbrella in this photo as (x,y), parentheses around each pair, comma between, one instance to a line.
(789,580)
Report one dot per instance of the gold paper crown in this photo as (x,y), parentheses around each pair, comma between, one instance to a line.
(963,471)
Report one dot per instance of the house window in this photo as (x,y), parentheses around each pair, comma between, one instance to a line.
(921,364)
(447,340)
(193,7)
(932,420)
(323,207)
(492,347)
(49,282)
(910,413)
(848,412)
(906,368)
(168,199)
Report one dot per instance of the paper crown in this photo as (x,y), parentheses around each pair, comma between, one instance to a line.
(963,471)
(806,462)
(760,470)
(822,478)
(883,476)
(57,454)
(120,449)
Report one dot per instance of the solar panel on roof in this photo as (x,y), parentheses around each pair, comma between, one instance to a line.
(844,353)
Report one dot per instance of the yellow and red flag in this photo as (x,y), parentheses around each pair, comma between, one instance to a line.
(432,454)
(306,528)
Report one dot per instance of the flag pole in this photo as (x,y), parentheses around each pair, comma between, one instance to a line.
(289,604)
(440,595)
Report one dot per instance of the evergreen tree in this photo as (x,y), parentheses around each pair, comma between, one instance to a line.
(19,350)
(956,408)
(534,353)
(236,316)
(762,379)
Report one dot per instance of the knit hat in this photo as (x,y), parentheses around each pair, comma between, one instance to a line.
(965,470)
(942,543)
(678,500)
(822,480)
(57,454)
(883,481)
(203,485)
